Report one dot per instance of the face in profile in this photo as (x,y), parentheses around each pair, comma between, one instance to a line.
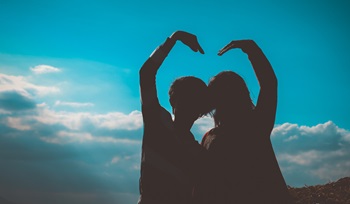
(189,97)
(229,96)
(228,90)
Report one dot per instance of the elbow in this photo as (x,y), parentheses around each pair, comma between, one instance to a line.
(146,69)
(142,71)
(273,84)
(141,75)
(274,81)
(269,84)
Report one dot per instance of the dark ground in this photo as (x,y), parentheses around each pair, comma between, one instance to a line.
(331,193)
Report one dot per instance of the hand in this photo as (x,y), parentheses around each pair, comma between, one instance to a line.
(245,45)
(188,39)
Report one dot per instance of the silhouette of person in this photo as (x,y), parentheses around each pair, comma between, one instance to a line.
(242,164)
(164,176)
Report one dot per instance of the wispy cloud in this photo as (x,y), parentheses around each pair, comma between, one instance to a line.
(43,69)
(77,120)
(16,123)
(20,85)
(115,159)
(64,137)
(73,104)
(202,125)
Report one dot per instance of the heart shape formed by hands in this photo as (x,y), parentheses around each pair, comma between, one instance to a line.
(192,42)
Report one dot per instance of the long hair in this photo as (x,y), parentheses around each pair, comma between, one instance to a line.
(230,97)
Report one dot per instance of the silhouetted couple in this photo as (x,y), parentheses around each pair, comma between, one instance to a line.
(235,162)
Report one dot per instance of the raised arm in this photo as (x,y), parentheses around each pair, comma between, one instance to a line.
(149,69)
(267,101)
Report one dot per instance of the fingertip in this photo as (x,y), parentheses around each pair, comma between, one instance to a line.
(193,49)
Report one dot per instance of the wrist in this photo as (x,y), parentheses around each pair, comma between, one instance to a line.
(174,36)
(158,55)
(168,45)
(161,52)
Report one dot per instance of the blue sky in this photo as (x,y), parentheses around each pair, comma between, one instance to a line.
(70,117)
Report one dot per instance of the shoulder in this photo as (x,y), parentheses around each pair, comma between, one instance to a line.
(166,118)
(156,114)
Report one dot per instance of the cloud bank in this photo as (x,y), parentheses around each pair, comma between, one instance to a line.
(73,104)
(312,154)
(99,153)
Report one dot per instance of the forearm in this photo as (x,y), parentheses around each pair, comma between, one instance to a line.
(149,70)
(262,67)
(161,52)
(157,57)
(267,100)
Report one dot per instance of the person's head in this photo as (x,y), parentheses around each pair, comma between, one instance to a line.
(189,98)
(230,96)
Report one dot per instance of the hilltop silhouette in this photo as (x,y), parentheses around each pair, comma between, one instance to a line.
(331,193)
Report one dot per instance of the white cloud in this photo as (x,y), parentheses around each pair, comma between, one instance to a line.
(17,123)
(115,159)
(320,152)
(75,136)
(76,120)
(4,112)
(345,134)
(309,157)
(40,105)
(324,128)
(204,124)
(131,162)
(42,69)
(331,172)
(20,85)
(135,167)
(117,120)
(73,104)
(201,126)
(285,128)
(71,127)
(318,137)
(64,137)
(293,137)
(118,158)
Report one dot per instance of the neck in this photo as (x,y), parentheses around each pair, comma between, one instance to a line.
(234,118)
(182,125)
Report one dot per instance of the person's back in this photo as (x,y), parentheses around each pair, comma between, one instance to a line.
(164,176)
(242,165)
(243,171)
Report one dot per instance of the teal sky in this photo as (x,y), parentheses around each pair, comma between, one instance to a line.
(73,134)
